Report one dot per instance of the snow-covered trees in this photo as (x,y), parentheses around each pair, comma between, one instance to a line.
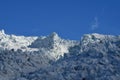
(94,57)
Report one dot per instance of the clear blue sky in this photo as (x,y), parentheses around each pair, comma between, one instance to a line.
(69,18)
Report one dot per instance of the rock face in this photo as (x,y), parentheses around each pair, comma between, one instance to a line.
(94,57)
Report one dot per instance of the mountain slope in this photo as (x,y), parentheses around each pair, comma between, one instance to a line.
(94,57)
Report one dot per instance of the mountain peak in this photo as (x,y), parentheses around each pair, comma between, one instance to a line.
(54,36)
(94,35)
(48,41)
(2,31)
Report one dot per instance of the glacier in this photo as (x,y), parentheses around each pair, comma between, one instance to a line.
(94,57)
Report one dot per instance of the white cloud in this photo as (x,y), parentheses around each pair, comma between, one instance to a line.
(95,24)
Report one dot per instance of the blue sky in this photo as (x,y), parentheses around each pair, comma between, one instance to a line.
(69,18)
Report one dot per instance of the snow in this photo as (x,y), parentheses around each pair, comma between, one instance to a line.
(94,57)
(95,37)
(2,32)
(15,42)
(56,46)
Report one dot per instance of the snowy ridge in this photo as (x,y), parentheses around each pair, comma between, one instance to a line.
(94,57)
(15,42)
(93,38)
(52,43)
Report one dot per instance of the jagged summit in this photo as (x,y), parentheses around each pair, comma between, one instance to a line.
(54,35)
(52,42)
(14,42)
(2,31)
(95,37)
(98,36)
(46,41)
(2,34)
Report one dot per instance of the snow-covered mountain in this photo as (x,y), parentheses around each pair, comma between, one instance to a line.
(94,57)
(15,42)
